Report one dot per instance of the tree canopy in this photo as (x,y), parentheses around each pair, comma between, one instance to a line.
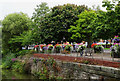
(113,15)
(40,12)
(55,23)
(69,21)
(83,29)
(13,25)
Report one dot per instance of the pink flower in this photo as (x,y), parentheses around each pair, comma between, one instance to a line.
(14,59)
(116,36)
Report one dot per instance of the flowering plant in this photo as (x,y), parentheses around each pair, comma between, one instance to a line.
(50,46)
(93,45)
(115,51)
(57,47)
(14,59)
(68,47)
(36,46)
(116,39)
(98,48)
(42,46)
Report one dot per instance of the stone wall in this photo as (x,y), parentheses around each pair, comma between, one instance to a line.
(54,68)
(71,70)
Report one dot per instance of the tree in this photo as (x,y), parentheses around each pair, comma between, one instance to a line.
(0,38)
(13,25)
(39,17)
(117,21)
(103,30)
(0,22)
(33,35)
(40,12)
(83,29)
(55,23)
(26,38)
(113,14)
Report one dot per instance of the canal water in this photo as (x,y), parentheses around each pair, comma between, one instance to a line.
(12,75)
(8,74)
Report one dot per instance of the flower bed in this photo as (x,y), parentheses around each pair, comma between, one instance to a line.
(116,39)
(58,48)
(42,48)
(66,48)
(81,60)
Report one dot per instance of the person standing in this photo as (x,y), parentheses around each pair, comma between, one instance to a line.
(53,43)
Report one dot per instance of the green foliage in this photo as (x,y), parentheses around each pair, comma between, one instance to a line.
(102,28)
(51,60)
(108,4)
(40,12)
(13,25)
(98,48)
(58,48)
(18,66)
(38,18)
(99,25)
(86,62)
(0,22)
(82,29)
(54,25)
(22,53)
(113,15)
(32,51)
(7,61)
(0,38)
(67,47)
(44,72)
(26,38)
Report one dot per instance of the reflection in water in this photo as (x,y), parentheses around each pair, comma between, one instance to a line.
(8,74)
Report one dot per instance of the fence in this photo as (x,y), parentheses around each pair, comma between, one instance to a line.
(63,51)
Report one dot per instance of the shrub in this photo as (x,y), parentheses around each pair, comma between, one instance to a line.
(22,52)
(32,51)
(18,66)
(7,61)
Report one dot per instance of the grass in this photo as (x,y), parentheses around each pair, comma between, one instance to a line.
(106,48)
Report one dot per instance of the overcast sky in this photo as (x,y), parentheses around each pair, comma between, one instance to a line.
(27,6)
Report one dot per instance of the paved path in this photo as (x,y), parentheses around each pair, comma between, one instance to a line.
(103,59)
(103,56)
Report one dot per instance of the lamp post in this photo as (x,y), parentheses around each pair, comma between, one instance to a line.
(63,43)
